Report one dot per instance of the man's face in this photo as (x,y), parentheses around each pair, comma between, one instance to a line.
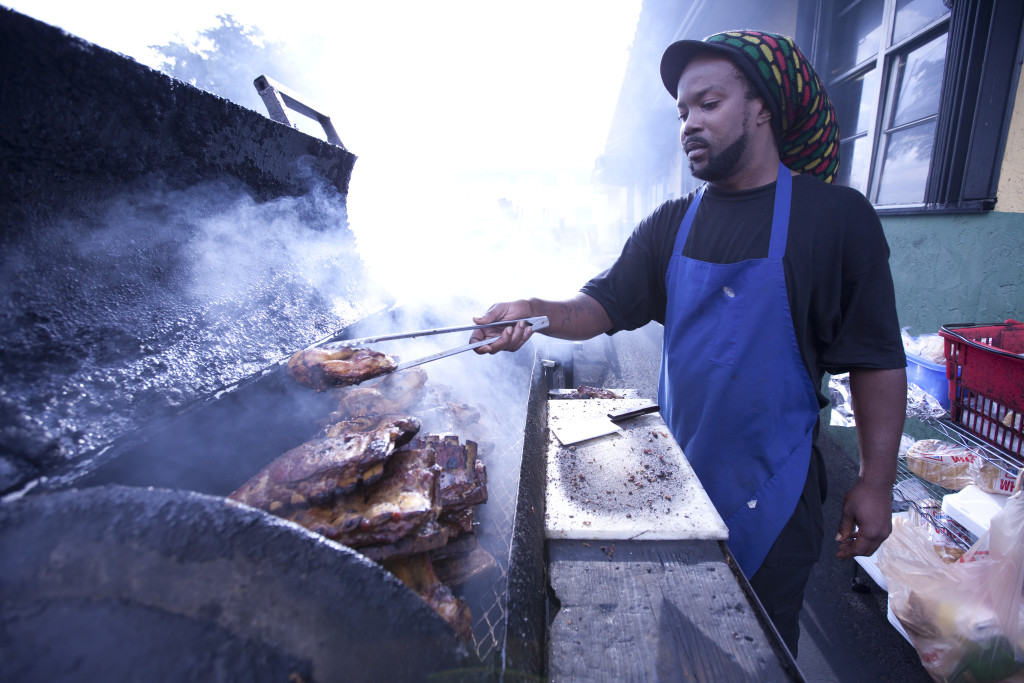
(714,111)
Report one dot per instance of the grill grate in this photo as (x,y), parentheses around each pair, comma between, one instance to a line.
(494,524)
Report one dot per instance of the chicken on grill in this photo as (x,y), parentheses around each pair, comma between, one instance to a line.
(367,481)
(317,471)
(322,368)
(395,393)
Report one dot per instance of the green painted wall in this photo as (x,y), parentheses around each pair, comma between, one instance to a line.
(950,268)
(956,268)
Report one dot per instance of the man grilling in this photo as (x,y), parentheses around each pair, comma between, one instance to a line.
(764,278)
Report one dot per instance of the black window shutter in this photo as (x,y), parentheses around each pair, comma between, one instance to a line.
(979,83)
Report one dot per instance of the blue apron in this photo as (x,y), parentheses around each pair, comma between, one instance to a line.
(734,389)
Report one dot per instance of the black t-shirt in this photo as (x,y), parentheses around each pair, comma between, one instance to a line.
(836,264)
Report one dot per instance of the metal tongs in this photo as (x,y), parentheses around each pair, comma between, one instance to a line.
(538,323)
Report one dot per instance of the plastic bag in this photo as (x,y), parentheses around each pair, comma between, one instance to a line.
(931,347)
(920,404)
(991,478)
(965,619)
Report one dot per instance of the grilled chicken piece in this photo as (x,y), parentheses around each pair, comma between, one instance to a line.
(394,394)
(417,573)
(322,368)
(317,471)
(404,389)
(361,402)
(363,423)
(405,498)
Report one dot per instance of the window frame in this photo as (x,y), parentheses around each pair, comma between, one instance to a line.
(973,119)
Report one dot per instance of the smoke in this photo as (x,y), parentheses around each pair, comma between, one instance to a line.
(154,298)
(475,146)
(477,125)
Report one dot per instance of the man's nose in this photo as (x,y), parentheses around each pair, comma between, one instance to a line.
(691,124)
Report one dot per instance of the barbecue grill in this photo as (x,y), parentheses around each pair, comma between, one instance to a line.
(143,350)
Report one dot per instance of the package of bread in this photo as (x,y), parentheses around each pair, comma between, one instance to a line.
(942,463)
(943,532)
(991,478)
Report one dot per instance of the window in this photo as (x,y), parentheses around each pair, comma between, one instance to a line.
(923,91)
(883,70)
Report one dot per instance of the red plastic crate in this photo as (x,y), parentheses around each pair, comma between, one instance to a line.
(985,368)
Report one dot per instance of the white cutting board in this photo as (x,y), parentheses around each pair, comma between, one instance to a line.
(635,484)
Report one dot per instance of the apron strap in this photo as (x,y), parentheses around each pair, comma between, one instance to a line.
(780,215)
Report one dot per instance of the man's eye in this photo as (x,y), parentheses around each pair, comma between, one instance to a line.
(682,116)
(710,104)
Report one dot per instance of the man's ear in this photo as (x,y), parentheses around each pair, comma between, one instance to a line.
(764,114)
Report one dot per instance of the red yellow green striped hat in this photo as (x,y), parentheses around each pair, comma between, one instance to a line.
(803,117)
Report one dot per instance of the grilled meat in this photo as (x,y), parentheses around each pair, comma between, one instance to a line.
(394,394)
(463,413)
(456,570)
(463,477)
(595,392)
(315,472)
(360,402)
(322,368)
(404,389)
(457,523)
(429,537)
(417,573)
(363,423)
(405,498)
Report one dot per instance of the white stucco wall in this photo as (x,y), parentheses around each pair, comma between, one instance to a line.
(1010,197)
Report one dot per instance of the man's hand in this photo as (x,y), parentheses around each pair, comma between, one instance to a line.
(880,406)
(866,519)
(578,318)
(511,337)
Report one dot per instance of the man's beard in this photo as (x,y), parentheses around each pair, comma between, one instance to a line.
(723,164)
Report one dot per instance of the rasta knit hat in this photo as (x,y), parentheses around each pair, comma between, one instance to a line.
(803,118)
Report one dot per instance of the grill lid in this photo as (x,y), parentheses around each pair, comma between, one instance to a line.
(122,583)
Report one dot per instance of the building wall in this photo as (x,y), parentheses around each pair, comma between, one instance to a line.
(962,268)
(957,268)
(1011,177)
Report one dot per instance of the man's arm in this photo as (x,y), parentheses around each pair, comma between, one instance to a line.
(580,317)
(880,407)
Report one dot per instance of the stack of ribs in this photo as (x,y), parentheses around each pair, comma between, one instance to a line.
(372,481)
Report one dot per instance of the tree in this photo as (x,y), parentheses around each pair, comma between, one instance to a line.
(225,59)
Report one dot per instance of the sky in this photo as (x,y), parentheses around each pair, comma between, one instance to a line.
(503,84)
(445,103)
